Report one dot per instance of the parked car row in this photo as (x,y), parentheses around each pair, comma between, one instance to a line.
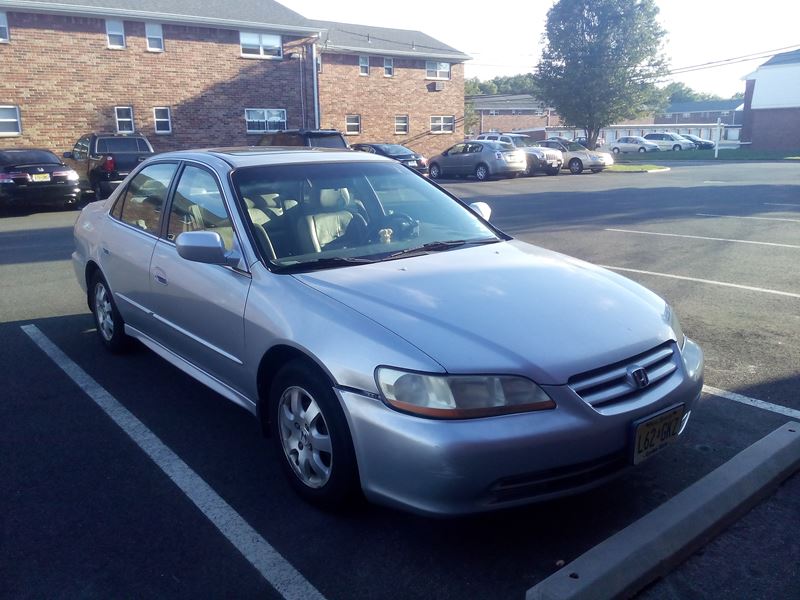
(653,142)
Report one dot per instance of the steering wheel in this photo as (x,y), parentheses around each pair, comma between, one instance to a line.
(403,226)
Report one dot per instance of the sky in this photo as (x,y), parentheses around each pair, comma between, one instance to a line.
(506,40)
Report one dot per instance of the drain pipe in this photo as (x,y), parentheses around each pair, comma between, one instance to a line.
(316,86)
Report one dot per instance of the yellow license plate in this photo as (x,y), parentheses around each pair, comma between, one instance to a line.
(654,433)
(40,177)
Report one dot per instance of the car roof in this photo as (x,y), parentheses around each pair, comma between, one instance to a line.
(246,156)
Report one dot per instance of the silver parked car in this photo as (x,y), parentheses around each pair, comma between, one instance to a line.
(670,141)
(632,143)
(481,158)
(577,158)
(539,158)
(390,339)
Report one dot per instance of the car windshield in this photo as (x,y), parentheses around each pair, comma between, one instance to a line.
(28,157)
(311,216)
(394,149)
(574,147)
(503,146)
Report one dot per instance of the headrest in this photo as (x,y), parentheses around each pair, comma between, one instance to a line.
(249,203)
(334,198)
(257,216)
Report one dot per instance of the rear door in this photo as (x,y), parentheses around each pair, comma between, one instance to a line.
(128,240)
(199,307)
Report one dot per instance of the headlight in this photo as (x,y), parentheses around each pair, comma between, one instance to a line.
(680,338)
(460,396)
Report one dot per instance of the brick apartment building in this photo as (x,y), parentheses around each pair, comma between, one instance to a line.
(186,75)
(704,111)
(772,104)
(510,112)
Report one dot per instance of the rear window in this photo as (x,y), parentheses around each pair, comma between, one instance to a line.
(327,141)
(28,157)
(122,144)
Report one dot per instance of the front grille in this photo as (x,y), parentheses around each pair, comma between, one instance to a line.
(551,155)
(556,480)
(613,383)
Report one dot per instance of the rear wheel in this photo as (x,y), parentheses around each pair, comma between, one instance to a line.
(677,148)
(576,166)
(434,171)
(110,326)
(481,172)
(312,436)
(615,150)
(642,150)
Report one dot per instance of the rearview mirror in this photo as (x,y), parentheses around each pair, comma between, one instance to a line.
(482,209)
(205,247)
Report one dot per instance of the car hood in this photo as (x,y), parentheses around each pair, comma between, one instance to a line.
(507,307)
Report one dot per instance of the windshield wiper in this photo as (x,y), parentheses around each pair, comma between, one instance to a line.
(440,246)
(323,263)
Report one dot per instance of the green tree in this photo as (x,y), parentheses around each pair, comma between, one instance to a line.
(600,61)
(680,92)
(472,86)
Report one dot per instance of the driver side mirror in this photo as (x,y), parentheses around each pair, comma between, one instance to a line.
(482,209)
(205,247)
(67,155)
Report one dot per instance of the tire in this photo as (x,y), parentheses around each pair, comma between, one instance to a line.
(109,323)
(529,170)
(481,172)
(553,171)
(596,170)
(98,192)
(676,148)
(434,171)
(642,150)
(615,150)
(304,412)
(576,166)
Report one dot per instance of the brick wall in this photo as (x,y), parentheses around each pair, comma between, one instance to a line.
(378,99)
(775,129)
(66,82)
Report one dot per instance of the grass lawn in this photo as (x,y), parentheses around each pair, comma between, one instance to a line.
(724,154)
(637,168)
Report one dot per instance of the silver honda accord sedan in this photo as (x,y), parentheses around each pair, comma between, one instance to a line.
(390,340)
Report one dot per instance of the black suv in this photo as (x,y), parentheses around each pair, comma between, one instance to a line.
(313,138)
(103,160)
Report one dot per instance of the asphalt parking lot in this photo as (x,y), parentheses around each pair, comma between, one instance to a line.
(87,513)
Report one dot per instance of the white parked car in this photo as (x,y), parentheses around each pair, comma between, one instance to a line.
(633,143)
(577,158)
(670,141)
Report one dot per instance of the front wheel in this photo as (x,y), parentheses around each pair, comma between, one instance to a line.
(615,150)
(677,148)
(575,166)
(434,171)
(313,439)
(642,150)
(529,170)
(481,172)
(110,326)
(553,171)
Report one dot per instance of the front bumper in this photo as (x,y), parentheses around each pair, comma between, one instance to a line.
(444,468)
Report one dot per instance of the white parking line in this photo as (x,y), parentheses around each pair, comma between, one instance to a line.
(741,217)
(776,408)
(701,237)
(709,281)
(269,563)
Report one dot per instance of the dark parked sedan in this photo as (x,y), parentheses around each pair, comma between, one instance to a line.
(32,176)
(699,142)
(400,153)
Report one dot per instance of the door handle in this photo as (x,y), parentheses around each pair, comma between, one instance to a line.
(160,276)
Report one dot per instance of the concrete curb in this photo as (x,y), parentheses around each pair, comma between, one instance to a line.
(649,548)
(662,170)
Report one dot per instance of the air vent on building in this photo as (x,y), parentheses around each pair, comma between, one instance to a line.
(438,86)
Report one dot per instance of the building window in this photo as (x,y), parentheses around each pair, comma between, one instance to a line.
(352,124)
(115,32)
(319,63)
(437,70)
(363,65)
(388,67)
(401,124)
(261,45)
(163,119)
(260,120)
(155,37)
(4,35)
(442,124)
(10,124)
(124,116)
(724,113)
(686,115)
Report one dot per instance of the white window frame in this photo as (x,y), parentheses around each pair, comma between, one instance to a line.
(157,120)
(262,53)
(433,66)
(347,124)
(266,120)
(5,32)
(115,27)
(154,31)
(363,62)
(388,67)
(403,129)
(440,122)
(18,121)
(119,119)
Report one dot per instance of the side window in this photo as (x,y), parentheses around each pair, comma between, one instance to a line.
(198,206)
(144,199)
(81,149)
(491,137)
